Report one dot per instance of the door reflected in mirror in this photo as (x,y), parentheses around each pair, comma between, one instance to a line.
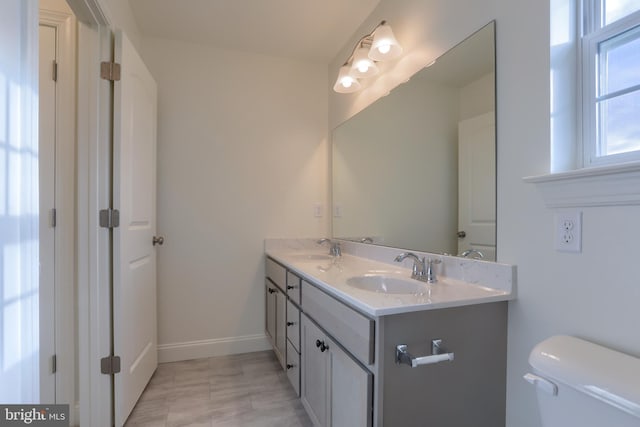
(416,169)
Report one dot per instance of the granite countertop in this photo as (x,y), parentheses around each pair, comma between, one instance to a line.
(331,275)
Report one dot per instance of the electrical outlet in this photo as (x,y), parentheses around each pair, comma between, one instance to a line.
(317,210)
(568,231)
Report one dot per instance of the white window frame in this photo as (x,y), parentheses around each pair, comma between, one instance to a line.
(592,35)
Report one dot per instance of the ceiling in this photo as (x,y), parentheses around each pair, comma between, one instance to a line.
(308,30)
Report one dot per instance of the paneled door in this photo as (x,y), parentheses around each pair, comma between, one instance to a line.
(134,195)
(477,185)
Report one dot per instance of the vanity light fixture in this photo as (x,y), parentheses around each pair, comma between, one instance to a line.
(378,45)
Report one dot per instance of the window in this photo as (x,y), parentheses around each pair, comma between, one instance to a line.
(611,81)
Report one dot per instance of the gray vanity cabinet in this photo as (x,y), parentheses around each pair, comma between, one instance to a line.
(342,361)
(336,391)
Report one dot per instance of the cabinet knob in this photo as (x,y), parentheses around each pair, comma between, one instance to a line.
(290,323)
(289,287)
(322,346)
(289,366)
(271,290)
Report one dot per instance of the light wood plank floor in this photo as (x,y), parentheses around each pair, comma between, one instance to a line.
(244,390)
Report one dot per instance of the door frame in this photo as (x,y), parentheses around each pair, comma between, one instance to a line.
(63,328)
(93,192)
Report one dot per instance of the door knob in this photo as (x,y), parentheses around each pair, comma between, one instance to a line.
(462,234)
(158,240)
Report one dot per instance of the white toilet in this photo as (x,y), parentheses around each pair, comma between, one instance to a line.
(581,384)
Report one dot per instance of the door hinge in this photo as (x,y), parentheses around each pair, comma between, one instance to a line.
(53,218)
(109,218)
(110,71)
(55,71)
(110,365)
(54,363)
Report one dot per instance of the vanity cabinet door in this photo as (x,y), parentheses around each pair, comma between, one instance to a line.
(276,310)
(270,312)
(351,391)
(293,368)
(293,325)
(293,287)
(281,326)
(336,390)
(315,373)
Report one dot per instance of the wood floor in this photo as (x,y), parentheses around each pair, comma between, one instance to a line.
(244,390)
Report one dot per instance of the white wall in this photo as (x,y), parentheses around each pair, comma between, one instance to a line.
(121,17)
(242,155)
(593,294)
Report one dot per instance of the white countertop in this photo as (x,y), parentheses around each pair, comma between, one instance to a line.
(331,276)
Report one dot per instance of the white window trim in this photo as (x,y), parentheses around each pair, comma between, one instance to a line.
(611,185)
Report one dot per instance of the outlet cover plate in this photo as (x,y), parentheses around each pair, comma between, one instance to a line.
(568,231)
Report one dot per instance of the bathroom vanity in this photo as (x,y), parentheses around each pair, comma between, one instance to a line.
(348,330)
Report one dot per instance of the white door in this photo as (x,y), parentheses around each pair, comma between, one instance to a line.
(134,195)
(47,195)
(477,185)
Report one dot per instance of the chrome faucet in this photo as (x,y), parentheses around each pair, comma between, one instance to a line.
(479,255)
(335,249)
(366,240)
(422,268)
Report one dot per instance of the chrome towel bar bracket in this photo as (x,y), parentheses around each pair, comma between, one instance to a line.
(437,355)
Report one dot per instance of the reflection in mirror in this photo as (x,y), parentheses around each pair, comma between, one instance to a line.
(416,169)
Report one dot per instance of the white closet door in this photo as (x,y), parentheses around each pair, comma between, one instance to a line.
(134,195)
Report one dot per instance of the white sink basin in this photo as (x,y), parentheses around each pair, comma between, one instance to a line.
(311,257)
(387,285)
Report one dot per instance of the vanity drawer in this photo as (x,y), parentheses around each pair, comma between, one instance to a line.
(277,273)
(293,287)
(351,329)
(293,367)
(293,324)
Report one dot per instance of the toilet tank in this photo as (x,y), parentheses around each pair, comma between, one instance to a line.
(583,384)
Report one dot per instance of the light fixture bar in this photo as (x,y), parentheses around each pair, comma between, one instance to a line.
(379,45)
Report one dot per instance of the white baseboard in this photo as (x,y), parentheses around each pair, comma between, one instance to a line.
(175,352)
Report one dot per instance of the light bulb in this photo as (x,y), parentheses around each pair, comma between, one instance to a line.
(346,83)
(363,66)
(384,48)
(384,45)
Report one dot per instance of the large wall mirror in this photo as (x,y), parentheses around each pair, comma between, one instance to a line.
(416,169)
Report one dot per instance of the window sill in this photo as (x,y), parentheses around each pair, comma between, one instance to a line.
(598,186)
